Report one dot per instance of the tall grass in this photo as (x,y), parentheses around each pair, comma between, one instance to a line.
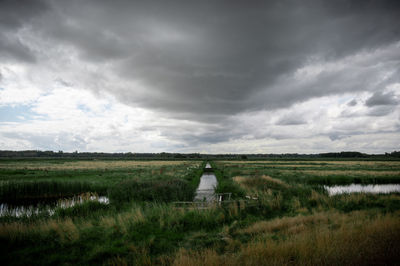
(287,223)
(151,190)
(355,240)
(18,191)
(157,189)
(41,183)
(226,183)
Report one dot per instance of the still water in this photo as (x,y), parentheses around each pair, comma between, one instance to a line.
(29,210)
(205,190)
(353,188)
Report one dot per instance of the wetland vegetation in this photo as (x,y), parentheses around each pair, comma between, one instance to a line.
(280,213)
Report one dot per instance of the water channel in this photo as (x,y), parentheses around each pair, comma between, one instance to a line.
(358,188)
(208,183)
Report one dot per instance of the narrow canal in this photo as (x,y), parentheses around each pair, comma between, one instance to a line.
(208,183)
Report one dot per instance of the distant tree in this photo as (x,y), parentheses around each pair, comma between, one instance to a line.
(395,154)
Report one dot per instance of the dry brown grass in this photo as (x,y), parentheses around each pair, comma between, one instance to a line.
(65,229)
(321,239)
(242,180)
(285,224)
(274,180)
(95,165)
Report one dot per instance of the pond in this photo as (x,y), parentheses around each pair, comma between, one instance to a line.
(354,188)
(15,210)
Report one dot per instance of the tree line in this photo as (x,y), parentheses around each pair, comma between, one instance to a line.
(166,155)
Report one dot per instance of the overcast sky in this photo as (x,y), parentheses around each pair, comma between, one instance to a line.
(200,76)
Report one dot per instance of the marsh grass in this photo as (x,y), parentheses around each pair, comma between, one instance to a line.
(263,182)
(226,184)
(321,239)
(317,172)
(153,232)
(290,222)
(42,183)
(316,162)
(98,164)
(157,190)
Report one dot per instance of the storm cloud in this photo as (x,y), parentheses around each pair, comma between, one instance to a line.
(212,63)
(379,98)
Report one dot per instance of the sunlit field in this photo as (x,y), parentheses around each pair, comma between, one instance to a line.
(279,214)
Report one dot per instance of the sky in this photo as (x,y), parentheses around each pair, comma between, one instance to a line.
(200,76)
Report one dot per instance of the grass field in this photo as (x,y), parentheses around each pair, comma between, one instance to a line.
(318,172)
(40,179)
(280,215)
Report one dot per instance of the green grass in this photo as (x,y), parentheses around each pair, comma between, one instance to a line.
(43,180)
(226,184)
(327,173)
(291,221)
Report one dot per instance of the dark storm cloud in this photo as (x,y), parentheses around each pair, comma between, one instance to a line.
(225,55)
(352,103)
(291,120)
(381,110)
(13,16)
(380,98)
(209,133)
(206,58)
(211,60)
(14,50)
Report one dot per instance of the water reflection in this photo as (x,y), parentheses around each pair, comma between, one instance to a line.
(49,208)
(205,190)
(386,188)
